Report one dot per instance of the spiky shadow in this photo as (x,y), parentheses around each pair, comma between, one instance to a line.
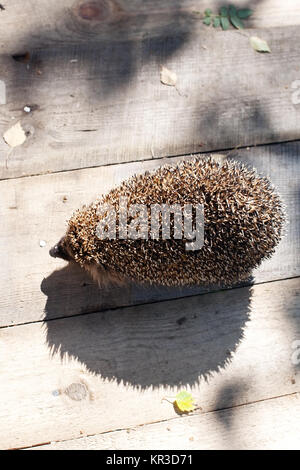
(170,343)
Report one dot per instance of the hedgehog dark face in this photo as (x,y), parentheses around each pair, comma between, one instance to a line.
(62,250)
(98,272)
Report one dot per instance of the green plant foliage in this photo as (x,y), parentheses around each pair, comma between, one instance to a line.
(232,10)
(224,23)
(226,16)
(243,14)
(224,11)
(217,22)
(236,22)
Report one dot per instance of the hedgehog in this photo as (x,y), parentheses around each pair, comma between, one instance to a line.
(242,223)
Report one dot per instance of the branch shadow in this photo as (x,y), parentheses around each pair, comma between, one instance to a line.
(106,72)
(114,59)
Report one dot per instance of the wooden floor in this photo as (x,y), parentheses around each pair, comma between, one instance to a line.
(83,368)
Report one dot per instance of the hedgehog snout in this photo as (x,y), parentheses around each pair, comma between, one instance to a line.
(59,251)
(54,251)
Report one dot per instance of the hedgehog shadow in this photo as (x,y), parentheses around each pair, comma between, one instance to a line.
(169,343)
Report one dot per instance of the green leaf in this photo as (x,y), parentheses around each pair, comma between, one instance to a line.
(207,20)
(184,401)
(208,12)
(217,22)
(259,45)
(224,23)
(237,23)
(235,20)
(245,13)
(232,10)
(223,11)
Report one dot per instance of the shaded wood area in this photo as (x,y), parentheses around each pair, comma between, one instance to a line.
(90,367)
(230,351)
(103,103)
(30,24)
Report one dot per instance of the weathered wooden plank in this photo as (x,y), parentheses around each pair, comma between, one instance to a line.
(103,103)
(66,378)
(30,24)
(268,425)
(32,209)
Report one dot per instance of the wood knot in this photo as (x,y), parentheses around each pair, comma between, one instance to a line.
(98,11)
(90,11)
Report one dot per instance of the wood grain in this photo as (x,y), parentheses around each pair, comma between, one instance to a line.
(268,425)
(86,375)
(103,103)
(48,23)
(35,209)
(89,98)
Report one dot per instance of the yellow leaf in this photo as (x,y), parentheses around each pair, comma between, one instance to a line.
(184,401)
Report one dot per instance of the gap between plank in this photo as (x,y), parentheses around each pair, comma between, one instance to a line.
(160,421)
(149,303)
(147,159)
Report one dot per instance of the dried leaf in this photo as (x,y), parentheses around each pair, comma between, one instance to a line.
(259,45)
(184,401)
(167,77)
(15,135)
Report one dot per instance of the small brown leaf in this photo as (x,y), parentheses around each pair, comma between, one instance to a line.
(167,77)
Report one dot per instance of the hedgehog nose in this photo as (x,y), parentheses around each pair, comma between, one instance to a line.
(54,252)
